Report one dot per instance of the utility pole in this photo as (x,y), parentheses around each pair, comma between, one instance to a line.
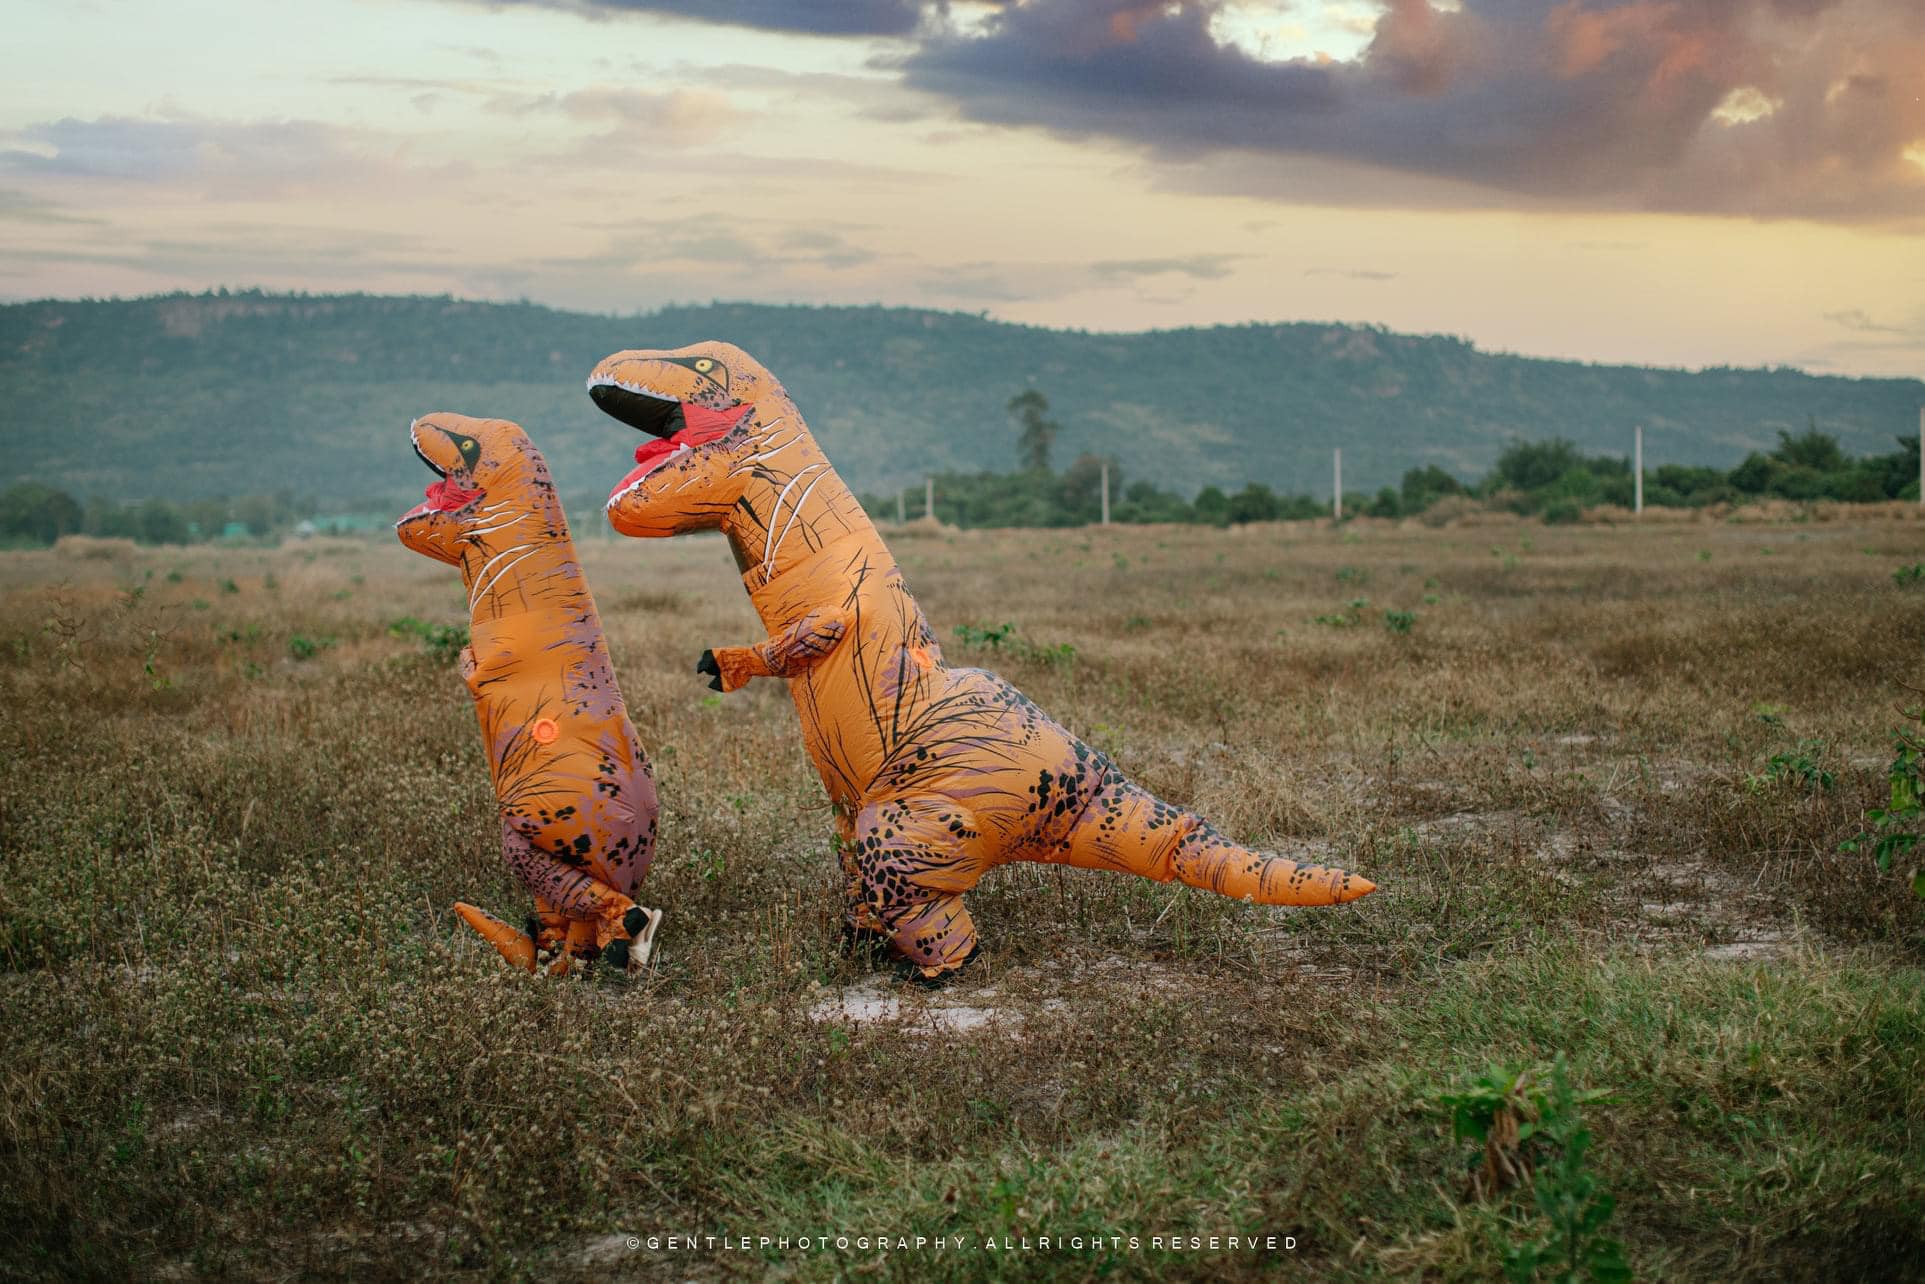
(901,517)
(929,498)
(1336,484)
(1106,485)
(1637,451)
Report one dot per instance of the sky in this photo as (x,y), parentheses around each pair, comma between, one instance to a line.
(1671,182)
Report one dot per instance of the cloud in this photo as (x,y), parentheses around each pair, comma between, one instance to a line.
(253,252)
(225,159)
(1855,319)
(671,118)
(803,17)
(1754,108)
(729,246)
(1355,274)
(1203,267)
(1750,107)
(25,207)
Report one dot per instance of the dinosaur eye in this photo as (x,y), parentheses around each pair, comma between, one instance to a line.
(703,365)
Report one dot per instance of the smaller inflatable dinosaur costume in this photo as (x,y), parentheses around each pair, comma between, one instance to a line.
(576,795)
(936,775)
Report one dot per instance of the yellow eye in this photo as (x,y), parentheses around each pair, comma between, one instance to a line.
(703,365)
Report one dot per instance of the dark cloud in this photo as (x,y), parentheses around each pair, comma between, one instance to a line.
(1753,107)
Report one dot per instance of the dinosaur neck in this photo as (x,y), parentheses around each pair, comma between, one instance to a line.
(789,509)
(521,559)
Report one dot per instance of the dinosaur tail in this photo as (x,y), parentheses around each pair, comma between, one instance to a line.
(1233,871)
(511,943)
(1129,830)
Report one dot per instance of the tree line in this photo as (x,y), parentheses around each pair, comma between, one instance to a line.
(32,513)
(1553,479)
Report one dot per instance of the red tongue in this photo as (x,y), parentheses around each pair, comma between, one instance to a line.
(700,425)
(445,497)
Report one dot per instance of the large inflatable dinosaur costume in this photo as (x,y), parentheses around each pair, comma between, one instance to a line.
(576,795)
(937,775)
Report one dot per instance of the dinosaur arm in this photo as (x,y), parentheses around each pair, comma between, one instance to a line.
(786,655)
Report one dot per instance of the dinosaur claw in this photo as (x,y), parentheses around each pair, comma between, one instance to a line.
(707,664)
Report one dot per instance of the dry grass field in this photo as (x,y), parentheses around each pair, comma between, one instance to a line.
(246,1036)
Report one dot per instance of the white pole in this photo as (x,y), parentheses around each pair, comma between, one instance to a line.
(1638,450)
(901,517)
(1106,491)
(929,497)
(1336,484)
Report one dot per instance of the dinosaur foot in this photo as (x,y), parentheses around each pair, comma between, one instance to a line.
(629,953)
(924,978)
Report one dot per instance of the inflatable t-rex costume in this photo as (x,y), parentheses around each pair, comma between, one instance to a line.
(937,775)
(576,795)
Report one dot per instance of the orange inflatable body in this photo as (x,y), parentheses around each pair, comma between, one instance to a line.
(937,775)
(576,794)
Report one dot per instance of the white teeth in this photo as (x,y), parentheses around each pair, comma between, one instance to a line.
(642,389)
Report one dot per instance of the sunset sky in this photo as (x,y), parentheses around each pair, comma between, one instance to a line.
(1680,182)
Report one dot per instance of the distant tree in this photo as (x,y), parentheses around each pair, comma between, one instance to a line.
(1533,465)
(1212,506)
(159,522)
(39,513)
(1753,476)
(1254,503)
(1035,432)
(1818,451)
(1082,486)
(1425,486)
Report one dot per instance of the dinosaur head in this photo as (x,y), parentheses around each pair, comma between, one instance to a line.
(708,409)
(483,466)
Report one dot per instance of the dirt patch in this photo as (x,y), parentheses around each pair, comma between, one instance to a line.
(878,1001)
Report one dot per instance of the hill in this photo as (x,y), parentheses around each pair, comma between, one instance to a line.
(188,396)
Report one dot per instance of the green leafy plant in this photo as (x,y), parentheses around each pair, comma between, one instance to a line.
(442,641)
(1895,827)
(1531,1131)
(302,647)
(1909,574)
(1399,621)
(1004,638)
(1802,766)
(985,635)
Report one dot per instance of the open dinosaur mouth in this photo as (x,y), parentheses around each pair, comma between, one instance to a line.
(696,425)
(659,414)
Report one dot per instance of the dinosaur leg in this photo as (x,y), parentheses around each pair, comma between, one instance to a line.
(1125,828)
(574,895)
(916,857)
